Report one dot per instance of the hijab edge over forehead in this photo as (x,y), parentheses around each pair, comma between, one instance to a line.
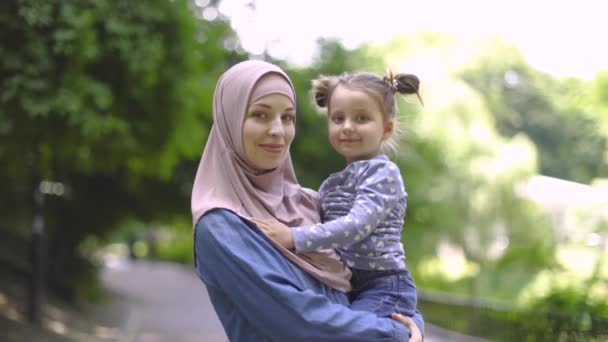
(232,98)
(272,83)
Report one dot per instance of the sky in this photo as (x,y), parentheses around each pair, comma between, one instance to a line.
(565,38)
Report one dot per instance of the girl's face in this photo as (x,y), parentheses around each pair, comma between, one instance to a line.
(268,131)
(357,126)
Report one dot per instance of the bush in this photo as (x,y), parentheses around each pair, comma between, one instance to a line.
(178,249)
(567,314)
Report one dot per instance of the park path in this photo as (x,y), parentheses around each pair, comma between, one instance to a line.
(159,302)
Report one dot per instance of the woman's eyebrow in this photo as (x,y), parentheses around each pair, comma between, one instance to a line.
(262,105)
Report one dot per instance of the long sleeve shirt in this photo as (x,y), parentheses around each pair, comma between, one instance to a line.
(259,295)
(363,209)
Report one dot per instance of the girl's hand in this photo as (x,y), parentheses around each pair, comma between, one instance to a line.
(277,231)
(415,333)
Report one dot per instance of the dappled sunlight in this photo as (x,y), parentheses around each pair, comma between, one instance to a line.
(55,312)
(118,249)
(549,280)
(540,285)
(107,332)
(9,308)
(595,240)
(450,270)
(489,244)
(515,158)
(56,326)
(14,315)
(140,249)
(112,256)
(518,154)
(580,260)
(449,264)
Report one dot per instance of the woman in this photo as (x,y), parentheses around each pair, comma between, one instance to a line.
(260,290)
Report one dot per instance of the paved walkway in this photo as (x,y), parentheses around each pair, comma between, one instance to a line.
(158,302)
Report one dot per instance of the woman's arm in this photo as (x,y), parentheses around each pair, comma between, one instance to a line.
(270,292)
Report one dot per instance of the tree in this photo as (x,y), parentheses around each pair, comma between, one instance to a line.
(547,109)
(110,98)
(461,176)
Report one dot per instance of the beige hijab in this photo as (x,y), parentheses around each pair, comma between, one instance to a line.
(224,180)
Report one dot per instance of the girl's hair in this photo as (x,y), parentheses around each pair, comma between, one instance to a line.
(382,90)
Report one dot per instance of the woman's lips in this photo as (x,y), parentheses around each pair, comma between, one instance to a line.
(272,148)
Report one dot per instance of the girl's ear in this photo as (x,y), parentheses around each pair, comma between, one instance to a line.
(388,129)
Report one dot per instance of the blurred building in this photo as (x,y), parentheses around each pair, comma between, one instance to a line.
(576,210)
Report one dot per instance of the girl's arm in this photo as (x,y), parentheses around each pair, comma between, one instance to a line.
(379,190)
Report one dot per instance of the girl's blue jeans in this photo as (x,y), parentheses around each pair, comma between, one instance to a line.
(383,292)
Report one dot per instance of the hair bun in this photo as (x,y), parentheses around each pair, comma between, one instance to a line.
(320,90)
(407,83)
(321,99)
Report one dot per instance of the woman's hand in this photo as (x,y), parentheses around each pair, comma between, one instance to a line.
(415,333)
(279,232)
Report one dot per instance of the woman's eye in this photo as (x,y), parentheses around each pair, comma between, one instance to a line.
(259,115)
(288,117)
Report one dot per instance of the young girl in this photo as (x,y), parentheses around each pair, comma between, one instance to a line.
(363,206)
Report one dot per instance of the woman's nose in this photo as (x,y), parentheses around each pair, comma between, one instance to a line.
(276,127)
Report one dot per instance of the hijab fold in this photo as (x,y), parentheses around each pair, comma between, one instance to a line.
(225,180)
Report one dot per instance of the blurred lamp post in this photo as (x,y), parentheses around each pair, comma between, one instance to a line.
(37,249)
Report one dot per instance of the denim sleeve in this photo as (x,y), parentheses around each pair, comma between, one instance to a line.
(271,294)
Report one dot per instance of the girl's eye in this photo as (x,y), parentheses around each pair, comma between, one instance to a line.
(362,118)
(337,119)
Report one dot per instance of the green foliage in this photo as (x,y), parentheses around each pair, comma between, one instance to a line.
(177,249)
(567,314)
(485,322)
(549,110)
(460,174)
(111,98)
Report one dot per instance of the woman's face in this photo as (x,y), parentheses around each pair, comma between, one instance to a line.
(268,131)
